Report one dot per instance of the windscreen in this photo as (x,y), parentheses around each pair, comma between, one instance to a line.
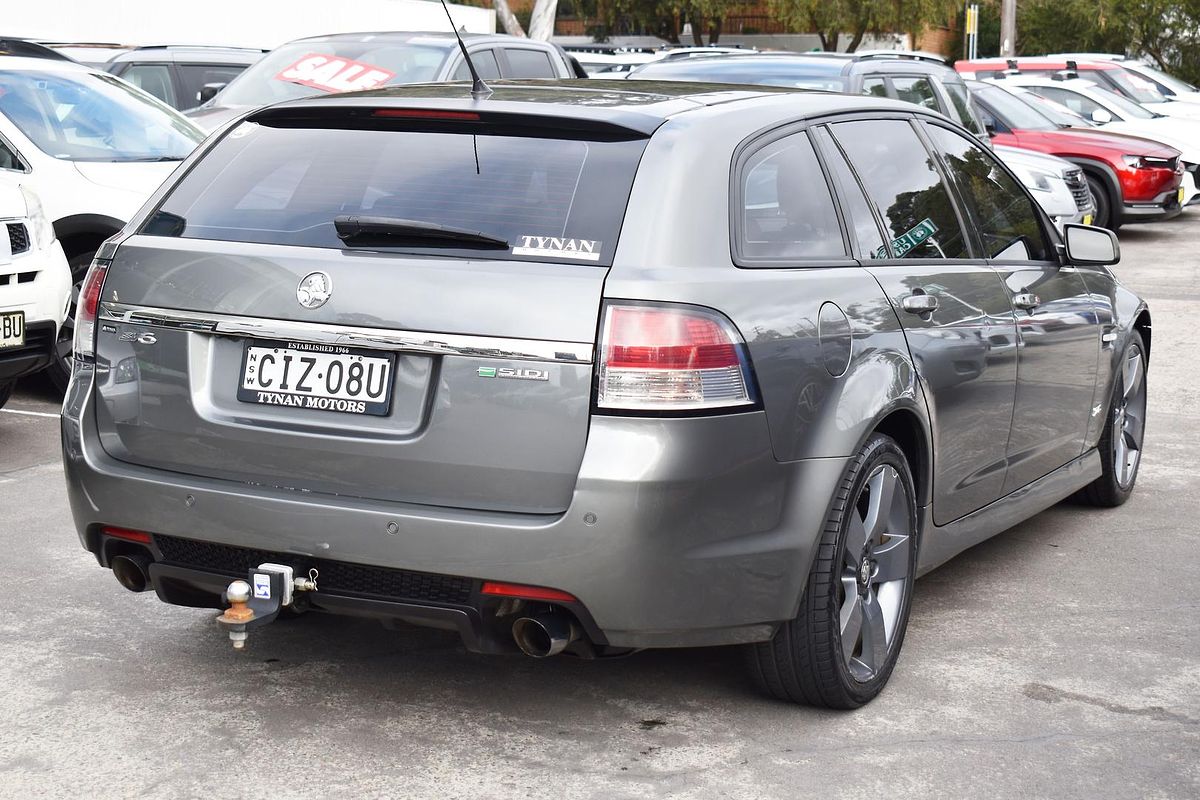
(547,198)
(825,75)
(1011,111)
(1124,107)
(304,69)
(1169,81)
(83,116)
(1057,113)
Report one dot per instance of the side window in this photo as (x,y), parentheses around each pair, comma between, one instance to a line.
(862,223)
(901,180)
(1004,214)
(786,209)
(1080,104)
(153,79)
(9,159)
(916,89)
(875,86)
(485,63)
(523,63)
(195,76)
(960,100)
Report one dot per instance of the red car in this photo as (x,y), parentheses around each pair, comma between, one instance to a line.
(1109,74)
(1131,179)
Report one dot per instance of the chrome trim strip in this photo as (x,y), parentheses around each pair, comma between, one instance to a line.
(444,344)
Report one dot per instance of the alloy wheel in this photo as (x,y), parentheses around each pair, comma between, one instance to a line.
(876,558)
(1129,419)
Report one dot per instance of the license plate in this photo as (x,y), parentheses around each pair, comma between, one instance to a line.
(1087,219)
(317,377)
(12,329)
(1180,195)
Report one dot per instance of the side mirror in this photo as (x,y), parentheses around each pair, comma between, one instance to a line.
(1101,117)
(1087,244)
(208,91)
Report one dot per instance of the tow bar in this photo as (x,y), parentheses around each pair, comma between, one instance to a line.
(258,601)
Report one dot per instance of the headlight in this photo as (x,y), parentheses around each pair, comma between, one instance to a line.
(1038,180)
(1147,162)
(43,229)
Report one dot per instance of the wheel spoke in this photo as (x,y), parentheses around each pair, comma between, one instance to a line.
(879,506)
(856,538)
(891,559)
(874,635)
(1133,374)
(850,624)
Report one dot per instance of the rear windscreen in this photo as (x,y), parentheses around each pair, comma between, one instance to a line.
(547,198)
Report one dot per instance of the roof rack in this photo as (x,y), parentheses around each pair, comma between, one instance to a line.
(911,55)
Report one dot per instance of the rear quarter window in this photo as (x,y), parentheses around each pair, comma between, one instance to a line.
(556,199)
(524,63)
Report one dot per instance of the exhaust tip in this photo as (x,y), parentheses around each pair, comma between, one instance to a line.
(132,572)
(544,635)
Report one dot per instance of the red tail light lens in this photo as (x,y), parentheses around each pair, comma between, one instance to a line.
(426,113)
(86,310)
(670,358)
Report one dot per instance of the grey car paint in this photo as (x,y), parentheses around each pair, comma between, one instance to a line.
(673,532)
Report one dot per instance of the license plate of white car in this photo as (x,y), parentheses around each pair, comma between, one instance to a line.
(12,329)
(317,377)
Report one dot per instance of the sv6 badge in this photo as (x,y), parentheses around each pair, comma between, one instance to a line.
(522,374)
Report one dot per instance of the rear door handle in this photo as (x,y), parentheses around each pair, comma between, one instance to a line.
(920,303)
(1027,301)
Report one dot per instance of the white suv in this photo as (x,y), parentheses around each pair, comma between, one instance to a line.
(35,286)
(91,146)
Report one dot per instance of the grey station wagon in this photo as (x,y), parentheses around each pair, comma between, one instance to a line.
(589,368)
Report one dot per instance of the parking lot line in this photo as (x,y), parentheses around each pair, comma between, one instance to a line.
(28,413)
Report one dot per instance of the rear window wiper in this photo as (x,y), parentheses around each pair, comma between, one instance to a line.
(366,231)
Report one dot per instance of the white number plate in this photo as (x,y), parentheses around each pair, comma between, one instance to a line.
(318,377)
(12,329)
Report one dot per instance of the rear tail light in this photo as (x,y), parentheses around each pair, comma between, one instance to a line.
(671,358)
(86,310)
(124,533)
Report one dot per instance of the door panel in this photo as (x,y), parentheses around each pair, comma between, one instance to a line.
(965,350)
(965,355)
(1056,375)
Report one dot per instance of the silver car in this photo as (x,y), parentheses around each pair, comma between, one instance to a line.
(588,369)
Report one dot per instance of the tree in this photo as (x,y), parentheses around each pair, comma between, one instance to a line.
(508,19)
(829,19)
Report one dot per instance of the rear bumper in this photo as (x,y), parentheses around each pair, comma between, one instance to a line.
(680,532)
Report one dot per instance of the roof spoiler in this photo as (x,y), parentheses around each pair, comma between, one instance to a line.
(457,118)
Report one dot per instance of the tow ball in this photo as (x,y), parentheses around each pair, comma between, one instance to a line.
(258,601)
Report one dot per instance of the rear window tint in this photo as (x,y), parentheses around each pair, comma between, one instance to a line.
(557,199)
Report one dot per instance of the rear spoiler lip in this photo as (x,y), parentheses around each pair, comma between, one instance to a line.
(564,119)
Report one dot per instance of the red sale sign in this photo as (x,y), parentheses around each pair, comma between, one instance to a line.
(334,74)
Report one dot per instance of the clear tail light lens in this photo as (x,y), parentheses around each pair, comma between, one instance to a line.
(86,310)
(671,358)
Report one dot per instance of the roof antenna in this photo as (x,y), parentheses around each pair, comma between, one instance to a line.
(479,89)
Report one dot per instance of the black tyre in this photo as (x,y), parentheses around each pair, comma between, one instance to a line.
(1106,214)
(1121,443)
(6,390)
(59,371)
(841,648)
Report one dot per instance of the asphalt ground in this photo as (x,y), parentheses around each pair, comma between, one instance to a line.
(1060,659)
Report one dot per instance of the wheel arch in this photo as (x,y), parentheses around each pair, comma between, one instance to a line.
(1141,324)
(1098,169)
(906,427)
(83,233)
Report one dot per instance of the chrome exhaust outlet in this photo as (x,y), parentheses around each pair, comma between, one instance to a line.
(544,635)
(132,572)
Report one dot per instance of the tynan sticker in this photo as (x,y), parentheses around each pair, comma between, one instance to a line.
(262,586)
(554,247)
(333,74)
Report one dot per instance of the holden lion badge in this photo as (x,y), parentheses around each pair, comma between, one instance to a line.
(314,289)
